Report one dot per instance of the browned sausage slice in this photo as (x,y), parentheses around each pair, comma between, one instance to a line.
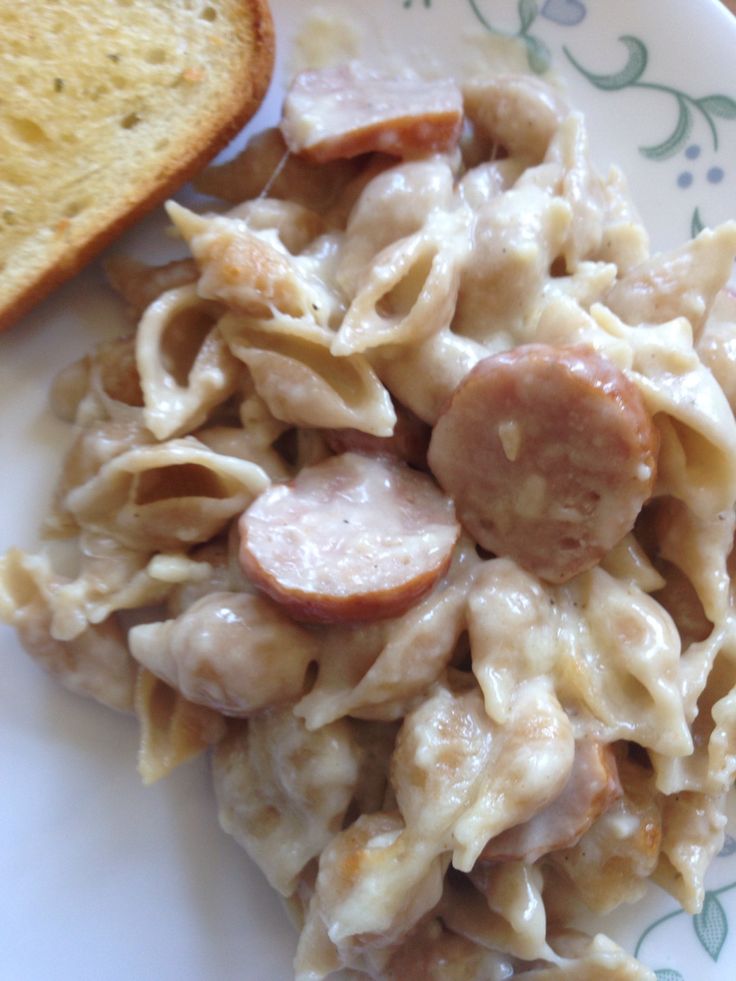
(549,454)
(350,539)
(591,789)
(340,112)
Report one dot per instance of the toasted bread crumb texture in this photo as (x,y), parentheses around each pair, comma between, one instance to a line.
(104,104)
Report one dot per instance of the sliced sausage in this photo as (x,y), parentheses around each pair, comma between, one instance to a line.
(331,113)
(591,789)
(549,454)
(350,539)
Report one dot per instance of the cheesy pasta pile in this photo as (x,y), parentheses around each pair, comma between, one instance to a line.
(411,497)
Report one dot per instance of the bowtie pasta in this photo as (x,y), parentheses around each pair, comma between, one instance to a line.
(410,498)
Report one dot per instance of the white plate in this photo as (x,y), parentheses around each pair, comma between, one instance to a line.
(103,879)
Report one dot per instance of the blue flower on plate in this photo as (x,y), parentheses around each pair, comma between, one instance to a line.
(568,13)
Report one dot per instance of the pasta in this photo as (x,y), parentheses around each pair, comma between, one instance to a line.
(434,740)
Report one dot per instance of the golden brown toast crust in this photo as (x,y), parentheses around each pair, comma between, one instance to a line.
(247,91)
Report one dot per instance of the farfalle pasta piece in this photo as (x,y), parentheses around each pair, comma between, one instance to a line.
(303,383)
(172,729)
(680,283)
(283,791)
(376,671)
(233,652)
(166,496)
(185,367)
(94,663)
(411,288)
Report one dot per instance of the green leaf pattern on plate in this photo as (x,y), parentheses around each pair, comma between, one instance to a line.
(711,925)
(677,138)
(709,107)
(718,105)
(628,75)
(527,14)
(696,224)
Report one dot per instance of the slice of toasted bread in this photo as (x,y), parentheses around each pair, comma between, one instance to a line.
(107,106)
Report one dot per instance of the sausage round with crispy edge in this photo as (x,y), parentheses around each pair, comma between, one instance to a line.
(549,454)
(352,538)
